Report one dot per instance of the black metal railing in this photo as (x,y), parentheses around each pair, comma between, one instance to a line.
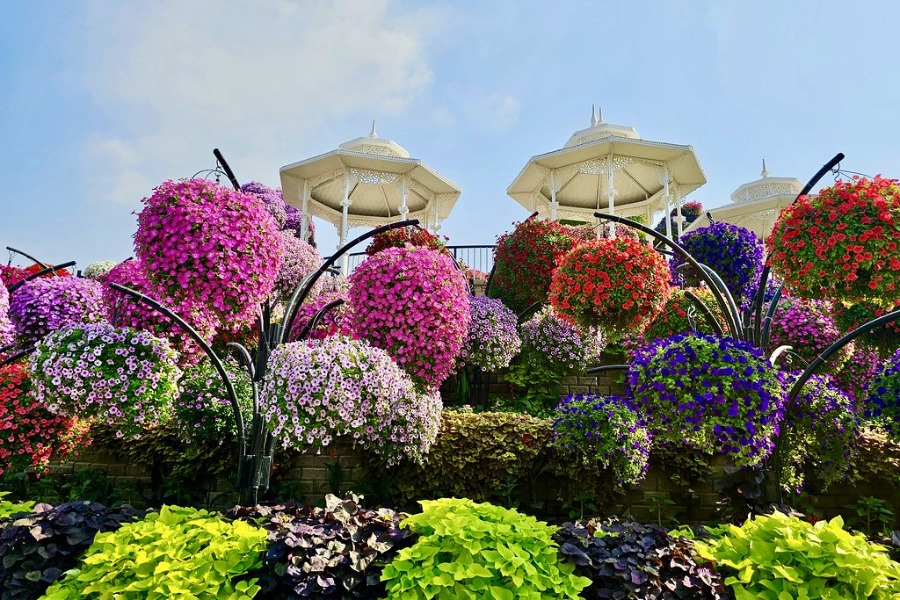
(479,257)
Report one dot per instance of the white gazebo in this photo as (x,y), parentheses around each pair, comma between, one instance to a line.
(755,205)
(608,168)
(368,182)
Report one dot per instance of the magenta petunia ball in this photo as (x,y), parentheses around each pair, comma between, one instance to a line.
(7,330)
(413,303)
(206,245)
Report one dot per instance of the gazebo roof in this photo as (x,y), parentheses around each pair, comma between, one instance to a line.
(580,172)
(379,171)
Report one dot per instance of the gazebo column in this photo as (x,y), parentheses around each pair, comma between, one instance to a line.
(554,205)
(345,207)
(678,217)
(404,196)
(304,210)
(611,193)
(667,200)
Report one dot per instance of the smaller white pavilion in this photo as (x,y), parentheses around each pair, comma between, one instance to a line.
(368,182)
(755,205)
(608,168)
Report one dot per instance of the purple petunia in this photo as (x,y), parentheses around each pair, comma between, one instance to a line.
(492,340)
(45,304)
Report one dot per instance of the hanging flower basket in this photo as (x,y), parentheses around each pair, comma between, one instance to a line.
(616,285)
(842,243)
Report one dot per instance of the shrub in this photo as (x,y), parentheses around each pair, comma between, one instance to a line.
(841,243)
(820,432)
(469,550)
(124,311)
(808,327)
(711,394)
(413,303)
(7,329)
(29,433)
(334,552)
(774,557)
(593,433)
(733,252)
(207,246)
(884,395)
(317,390)
(614,284)
(38,548)
(492,340)
(524,261)
(45,304)
(114,375)
(400,237)
(177,552)
(203,410)
(505,446)
(98,268)
(679,314)
(630,560)
(298,259)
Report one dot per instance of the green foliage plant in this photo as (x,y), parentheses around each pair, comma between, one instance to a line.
(472,551)
(8,508)
(778,557)
(203,410)
(873,516)
(475,455)
(177,553)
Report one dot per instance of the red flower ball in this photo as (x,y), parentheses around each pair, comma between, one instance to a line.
(841,244)
(616,285)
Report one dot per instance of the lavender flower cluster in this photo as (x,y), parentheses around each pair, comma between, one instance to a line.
(559,346)
(709,393)
(884,395)
(45,304)
(602,432)
(286,216)
(115,375)
(298,259)
(492,340)
(821,437)
(317,390)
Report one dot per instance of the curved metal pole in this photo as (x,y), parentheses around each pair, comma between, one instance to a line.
(227,169)
(244,357)
(604,368)
(731,316)
(17,356)
(767,322)
(308,328)
(529,311)
(773,358)
(723,304)
(232,396)
(705,310)
(28,256)
(49,269)
(821,358)
(302,291)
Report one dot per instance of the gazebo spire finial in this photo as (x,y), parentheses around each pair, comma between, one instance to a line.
(373,135)
(593,116)
(599,114)
(764,172)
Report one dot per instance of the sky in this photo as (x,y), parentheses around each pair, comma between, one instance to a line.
(100,101)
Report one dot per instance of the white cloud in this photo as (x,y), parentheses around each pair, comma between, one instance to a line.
(259,80)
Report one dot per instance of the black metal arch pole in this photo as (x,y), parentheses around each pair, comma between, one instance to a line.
(228,172)
(37,274)
(36,261)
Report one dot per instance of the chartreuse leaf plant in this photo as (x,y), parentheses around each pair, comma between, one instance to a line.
(471,551)
(8,509)
(177,553)
(777,557)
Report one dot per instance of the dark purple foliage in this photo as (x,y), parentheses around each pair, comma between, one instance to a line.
(38,548)
(630,560)
(335,552)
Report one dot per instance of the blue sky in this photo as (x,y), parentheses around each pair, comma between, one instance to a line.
(101,101)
